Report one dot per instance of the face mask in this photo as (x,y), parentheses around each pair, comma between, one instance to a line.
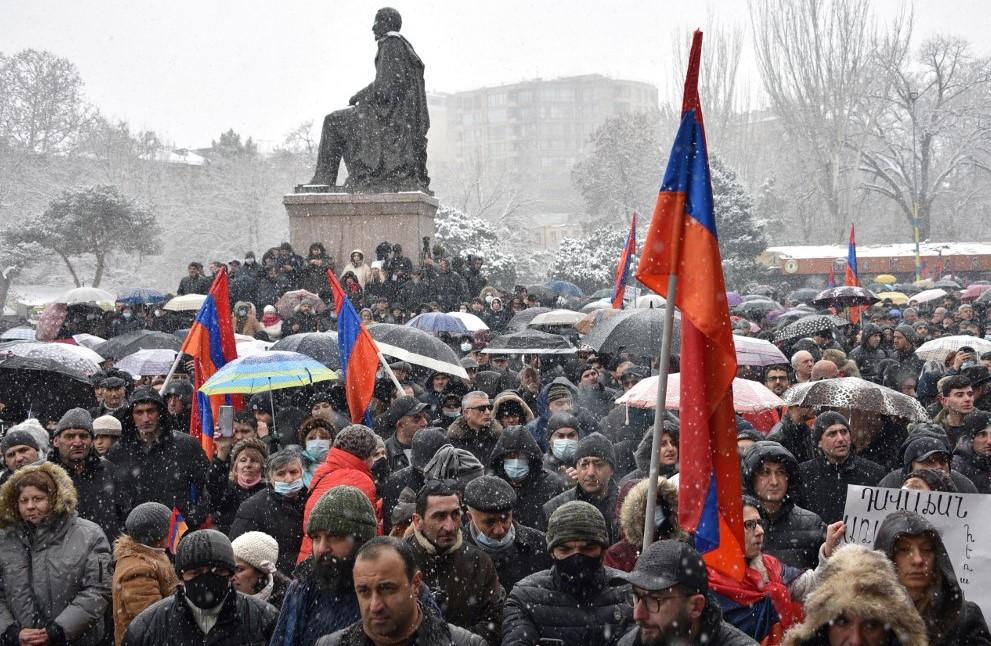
(564,450)
(488,299)
(287,488)
(494,544)
(516,469)
(466,346)
(207,590)
(318,448)
(453,414)
(578,570)
(127,315)
(381,469)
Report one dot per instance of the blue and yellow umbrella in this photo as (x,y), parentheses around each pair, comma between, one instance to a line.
(266,371)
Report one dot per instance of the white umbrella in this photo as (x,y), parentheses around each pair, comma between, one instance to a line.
(557,317)
(88,340)
(927,295)
(148,362)
(91,295)
(186,303)
(939,349)
(19,333)
(74,356)
(650,300)
(757,352)
(252,346)
(472,322)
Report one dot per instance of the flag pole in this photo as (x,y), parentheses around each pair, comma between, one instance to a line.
(168,377)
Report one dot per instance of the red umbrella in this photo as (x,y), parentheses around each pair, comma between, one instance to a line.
(50,321)
(973,292)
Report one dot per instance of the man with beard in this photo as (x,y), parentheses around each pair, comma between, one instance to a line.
(672,603)
(575,601)
(321,600)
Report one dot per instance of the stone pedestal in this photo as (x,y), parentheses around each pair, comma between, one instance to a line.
(347,221)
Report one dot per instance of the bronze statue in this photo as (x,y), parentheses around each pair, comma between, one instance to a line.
(382,137)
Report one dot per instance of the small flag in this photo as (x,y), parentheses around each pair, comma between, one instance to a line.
(831,277)
(359,355)
(851,276)
(177,528)
(623,268)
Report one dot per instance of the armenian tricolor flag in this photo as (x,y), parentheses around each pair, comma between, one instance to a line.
(851,276)
(210,343)
(177,527)
(359,355)
(623,268)
(682,241)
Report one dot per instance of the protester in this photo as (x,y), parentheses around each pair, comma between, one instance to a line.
(232,482)
(426,443)
(517,459)
(255,575)
(19,450)
(595,465)
(972,455)
(406,417)
(475,430)
(927,448)
(106,433)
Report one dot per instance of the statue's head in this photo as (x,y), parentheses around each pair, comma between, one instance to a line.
(386,19)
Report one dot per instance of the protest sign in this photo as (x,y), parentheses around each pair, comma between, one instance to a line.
(960,518)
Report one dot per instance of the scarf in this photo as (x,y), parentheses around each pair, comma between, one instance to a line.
(431,549)
(762,581)
(268,320)
(266,592)
(245,483)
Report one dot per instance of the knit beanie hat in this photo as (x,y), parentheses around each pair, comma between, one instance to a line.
(357,440)
(107,425)
(17,438)
(824,421)
(975,423)
(204,548)
(425,444)
(257,549)
(78,418)
(559,391)
(343,511)
(148,522)
(908,331)
(576,521)
(596,445)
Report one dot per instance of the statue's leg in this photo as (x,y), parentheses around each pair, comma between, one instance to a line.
(333,141)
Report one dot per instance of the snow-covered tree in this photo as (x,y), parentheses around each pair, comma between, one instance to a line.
(463,235)
(742,235)
(589,261)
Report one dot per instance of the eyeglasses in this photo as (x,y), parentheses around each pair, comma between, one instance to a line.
(751,525)
(653,604)
(480,408)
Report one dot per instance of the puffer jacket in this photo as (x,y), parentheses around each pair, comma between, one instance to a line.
(55,574)
(606,505)
(793,535)
(950,619)
(713,631)
(279,517)
(142,577)
(623,554)
(540,608)
(243,621)
(539,486)
(433,631)
(101,499)
(795,438)
(479,443)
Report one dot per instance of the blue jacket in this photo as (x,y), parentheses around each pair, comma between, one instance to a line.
(538,427)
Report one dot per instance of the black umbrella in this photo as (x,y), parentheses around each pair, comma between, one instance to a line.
(321,346)
(521,320)
(636,331)
(530,341)
(846,296)
(756,308)
(417,347)
(808,326)
(803,295)
(42,386)
(125,344)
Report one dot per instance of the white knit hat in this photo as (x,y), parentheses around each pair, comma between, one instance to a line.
(257,549)
(106,425)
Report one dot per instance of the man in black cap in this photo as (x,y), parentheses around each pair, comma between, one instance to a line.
(178,396)
(405,417)
(595,463)
(425,443)
(114,390)
(205,607)
(671,602)
(516,551)
(153,463)
(101,499)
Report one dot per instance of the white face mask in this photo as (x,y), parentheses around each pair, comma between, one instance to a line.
(318,448)
(466,346)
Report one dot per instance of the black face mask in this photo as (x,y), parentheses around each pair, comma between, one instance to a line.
(381,470)
(207,590)
(333,574)
(578,571)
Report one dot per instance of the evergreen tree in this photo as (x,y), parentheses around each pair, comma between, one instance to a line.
(462,235)
(742,235)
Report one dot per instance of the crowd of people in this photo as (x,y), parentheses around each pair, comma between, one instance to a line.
(507,507)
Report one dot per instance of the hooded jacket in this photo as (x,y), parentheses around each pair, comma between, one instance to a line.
(950,619)
(867,358)
(360,270)
(976,468)
(623,554)
(858,582)
(538,426)
(895,479)
(142,576)
(643,455)
(55,574)
(794,534)
(510,396)
(539,485)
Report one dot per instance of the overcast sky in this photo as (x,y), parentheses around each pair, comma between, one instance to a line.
(189,69)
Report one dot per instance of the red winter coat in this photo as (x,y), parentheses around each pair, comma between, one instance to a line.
(340,468)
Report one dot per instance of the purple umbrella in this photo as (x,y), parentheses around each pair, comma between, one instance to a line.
(733,298)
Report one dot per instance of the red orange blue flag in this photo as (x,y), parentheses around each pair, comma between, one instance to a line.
(177,527)
(623,268)
(210,343)
(851,276)
(682,241)
(359,355)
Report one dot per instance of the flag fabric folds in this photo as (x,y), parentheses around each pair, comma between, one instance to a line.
(851,276)
(682,241)
(623,268)
(830,277)
(177,527)
(210,343)
(359,355)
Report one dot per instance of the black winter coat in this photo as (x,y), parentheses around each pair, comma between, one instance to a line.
(527,555)
(539,608)
(393,487)
(101,499)
(172,472)
(433,631)
(605,505)
(279,517)
(243,621)
(896,478)
(226,494)
(713,631)
(977,468)
(537,488)
(796,438)
(824,484)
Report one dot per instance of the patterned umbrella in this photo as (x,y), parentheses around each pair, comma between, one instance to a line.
(939,349)
(757,352)
(807,326)
(19,333)
(437,322)
(846,296)
(853,393)
(76,357)
(148,362)
(266,371)
(748,396)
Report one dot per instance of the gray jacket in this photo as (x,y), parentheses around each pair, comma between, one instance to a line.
(56,573)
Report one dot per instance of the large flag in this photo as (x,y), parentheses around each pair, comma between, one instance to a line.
(851,276)
(682,242)
(210,343)
(623,268)
(359,356)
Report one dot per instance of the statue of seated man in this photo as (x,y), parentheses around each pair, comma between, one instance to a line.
(382,137)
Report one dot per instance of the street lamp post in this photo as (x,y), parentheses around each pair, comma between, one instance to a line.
(912,97)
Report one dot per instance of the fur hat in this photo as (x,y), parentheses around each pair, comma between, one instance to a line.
(343,511)
(63,499)
(257,549)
